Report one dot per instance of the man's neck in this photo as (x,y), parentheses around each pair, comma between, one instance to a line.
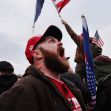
(50,73)
(46,71)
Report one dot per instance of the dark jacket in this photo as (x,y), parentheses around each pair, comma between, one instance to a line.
(77,81)
(7,81)
(34,92)
(104,94)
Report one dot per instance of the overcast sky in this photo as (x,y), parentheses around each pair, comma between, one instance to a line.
(16,20)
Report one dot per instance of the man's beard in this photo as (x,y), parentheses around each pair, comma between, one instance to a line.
(54,62)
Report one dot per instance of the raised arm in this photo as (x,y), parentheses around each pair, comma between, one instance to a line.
(72,34)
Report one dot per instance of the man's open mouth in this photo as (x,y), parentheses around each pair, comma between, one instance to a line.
(61,51)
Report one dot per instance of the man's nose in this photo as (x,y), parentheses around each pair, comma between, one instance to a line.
(60,43)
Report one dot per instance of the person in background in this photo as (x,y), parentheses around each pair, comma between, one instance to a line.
(79,55)
(41,88)
(7,76)
(102,66)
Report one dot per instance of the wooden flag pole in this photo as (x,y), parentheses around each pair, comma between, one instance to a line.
(57,11)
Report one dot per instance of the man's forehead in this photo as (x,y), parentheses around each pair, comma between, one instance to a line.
(50,37)
(45,41)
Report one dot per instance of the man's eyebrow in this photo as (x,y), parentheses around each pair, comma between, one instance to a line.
(48,37)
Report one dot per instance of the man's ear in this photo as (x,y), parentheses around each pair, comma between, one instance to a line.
(37,54)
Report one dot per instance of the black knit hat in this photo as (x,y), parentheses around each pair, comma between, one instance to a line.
(6,67)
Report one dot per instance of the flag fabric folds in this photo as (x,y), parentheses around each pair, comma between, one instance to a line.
(91,80)
(60,4)
(39,5)
(98,38)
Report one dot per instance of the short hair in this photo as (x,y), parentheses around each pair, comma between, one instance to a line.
(6,67)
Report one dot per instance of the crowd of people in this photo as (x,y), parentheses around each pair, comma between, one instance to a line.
(49,83)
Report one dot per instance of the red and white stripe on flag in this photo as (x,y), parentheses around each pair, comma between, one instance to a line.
(100,42)
(95,42)
(60,4)
(98,38)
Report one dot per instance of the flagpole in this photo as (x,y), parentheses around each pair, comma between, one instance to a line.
(57,11)
(33,27)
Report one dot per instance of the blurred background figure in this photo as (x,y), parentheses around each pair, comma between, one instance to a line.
(7,76)
(102,66)
(79,55)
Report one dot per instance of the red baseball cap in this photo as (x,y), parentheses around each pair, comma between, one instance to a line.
(33,41)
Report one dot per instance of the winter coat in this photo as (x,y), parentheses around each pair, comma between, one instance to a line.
(7,81)
(35,92)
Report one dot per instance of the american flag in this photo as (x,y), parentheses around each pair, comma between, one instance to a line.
(91,80)
(98,38)
(60,4)
(39,5)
